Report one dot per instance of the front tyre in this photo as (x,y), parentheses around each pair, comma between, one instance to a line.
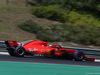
(20,51)
(78,55)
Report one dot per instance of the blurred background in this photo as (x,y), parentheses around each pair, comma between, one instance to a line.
(65,22)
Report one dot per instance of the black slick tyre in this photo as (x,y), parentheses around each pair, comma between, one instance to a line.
(11,51)
(20,51)
(78,55)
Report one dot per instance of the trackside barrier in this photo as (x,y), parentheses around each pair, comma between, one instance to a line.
(2,46)
(92,53)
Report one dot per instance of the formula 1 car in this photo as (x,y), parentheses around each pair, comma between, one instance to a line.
(32,47)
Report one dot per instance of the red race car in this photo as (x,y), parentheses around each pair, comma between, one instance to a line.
(40,47)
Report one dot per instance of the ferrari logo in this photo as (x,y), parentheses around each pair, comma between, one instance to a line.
(42,51)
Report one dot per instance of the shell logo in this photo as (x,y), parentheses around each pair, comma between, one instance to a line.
(48,51)
(42,51)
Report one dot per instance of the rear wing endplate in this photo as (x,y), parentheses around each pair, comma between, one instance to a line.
(10,43)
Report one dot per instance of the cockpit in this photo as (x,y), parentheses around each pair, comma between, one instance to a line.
(57,46)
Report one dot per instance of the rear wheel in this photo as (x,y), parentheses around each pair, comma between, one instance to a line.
(11,51)
(20,51)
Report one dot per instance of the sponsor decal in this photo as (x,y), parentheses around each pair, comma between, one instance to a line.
(30,49)
(48,51)
(35,49)
(57,53)
(42,51)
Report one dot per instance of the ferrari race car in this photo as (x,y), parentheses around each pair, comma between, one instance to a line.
(32,47)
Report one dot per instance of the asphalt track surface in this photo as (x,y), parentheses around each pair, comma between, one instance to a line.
(41,59)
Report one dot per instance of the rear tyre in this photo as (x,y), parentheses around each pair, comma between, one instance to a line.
(11,51)
(78,55)
(20,51)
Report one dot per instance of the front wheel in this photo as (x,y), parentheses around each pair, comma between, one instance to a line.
(20,51)
(78,55)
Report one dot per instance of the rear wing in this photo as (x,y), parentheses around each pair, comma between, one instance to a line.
(10,43)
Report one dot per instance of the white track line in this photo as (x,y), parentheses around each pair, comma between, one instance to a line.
(6,53)
(96,60)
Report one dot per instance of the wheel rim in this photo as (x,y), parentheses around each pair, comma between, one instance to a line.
(80,56)
(20,52)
